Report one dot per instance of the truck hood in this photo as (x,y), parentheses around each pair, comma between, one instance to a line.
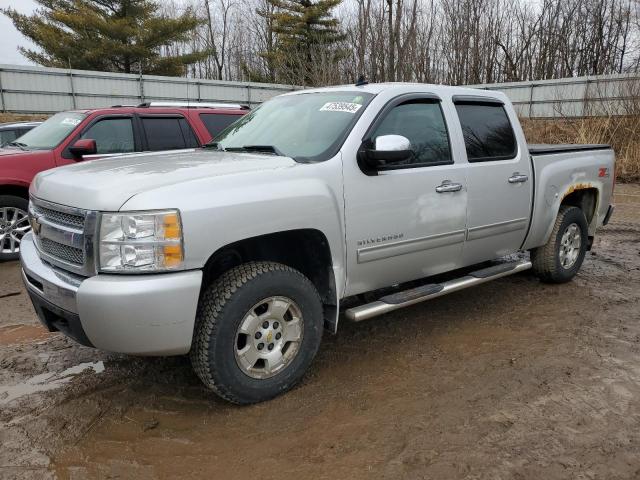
(106,184)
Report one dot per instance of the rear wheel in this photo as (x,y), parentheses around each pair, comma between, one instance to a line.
(560,259)
(258,329)
(14,224)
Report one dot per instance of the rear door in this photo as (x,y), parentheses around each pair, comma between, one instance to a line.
(167,132)
(499,179)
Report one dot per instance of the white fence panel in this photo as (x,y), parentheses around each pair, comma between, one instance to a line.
(573,97)
(26,89)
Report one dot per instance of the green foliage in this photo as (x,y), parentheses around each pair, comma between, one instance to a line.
(306,35)
(107,35)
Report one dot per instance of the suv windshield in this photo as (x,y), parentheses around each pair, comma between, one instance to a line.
(49,134)
(306,127)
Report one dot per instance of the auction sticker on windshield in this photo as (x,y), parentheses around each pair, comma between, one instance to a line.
(340,107)
(70,121)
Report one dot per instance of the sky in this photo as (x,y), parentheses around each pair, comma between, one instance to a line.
(10,38)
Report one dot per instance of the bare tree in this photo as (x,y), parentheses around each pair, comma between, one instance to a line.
(439,41)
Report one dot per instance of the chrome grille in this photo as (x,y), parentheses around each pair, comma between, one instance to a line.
(60,218)
(63,252)
(64,236)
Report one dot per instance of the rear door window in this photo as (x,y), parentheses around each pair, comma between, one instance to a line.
(190,139)
(168,133)
(488,134)
(112,135)
(216,122)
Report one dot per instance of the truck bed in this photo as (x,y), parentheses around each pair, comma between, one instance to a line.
(548,149)
(560,170)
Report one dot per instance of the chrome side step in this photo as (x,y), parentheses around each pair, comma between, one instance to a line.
(406,298)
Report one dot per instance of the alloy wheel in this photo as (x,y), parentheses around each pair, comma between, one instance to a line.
(269,337)
(14,224)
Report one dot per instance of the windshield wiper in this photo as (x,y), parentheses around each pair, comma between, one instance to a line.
(257,148)
(214,145)
(20,145)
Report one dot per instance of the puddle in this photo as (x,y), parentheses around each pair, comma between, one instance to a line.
(45,382)
(12,334)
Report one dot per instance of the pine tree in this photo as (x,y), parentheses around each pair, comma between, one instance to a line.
(306,34)
(106,35)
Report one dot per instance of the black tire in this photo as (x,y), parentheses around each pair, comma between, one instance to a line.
(15,202)
(546,259)
(221,309)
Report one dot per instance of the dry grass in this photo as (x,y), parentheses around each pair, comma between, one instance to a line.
(19,117)
(622,133)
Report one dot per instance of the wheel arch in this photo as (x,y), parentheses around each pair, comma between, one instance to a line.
(306,250)
(18,190)
(585,198)
(583,195)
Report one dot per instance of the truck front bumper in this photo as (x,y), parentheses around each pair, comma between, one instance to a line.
(150,314)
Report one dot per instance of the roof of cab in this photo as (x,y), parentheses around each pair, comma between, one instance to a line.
(146,108)
(376,88)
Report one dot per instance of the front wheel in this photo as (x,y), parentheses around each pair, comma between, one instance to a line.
(258,328)
(560,259)
(14,224)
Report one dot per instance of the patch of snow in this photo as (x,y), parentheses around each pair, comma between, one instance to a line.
(45,382)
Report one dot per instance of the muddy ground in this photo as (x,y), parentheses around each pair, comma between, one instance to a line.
(512,379)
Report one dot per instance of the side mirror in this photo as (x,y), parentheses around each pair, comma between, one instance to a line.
(388,149)
(84,146)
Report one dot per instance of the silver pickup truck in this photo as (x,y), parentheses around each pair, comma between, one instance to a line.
(243,252)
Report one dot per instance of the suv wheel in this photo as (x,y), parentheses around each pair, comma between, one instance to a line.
(14,224)
(258,328)
(560,259)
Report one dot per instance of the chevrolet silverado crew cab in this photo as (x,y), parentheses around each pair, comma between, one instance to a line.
(69,137)
(241,254)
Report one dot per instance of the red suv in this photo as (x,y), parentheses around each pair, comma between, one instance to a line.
(72,136)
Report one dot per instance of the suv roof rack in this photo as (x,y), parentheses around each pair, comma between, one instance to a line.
(194,105)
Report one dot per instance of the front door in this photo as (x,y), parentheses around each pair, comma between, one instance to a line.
(499,180)
(407,220)
(114,135)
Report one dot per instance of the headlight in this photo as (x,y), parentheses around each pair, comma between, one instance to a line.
(141,242)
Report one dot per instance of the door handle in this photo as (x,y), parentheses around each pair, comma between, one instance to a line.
(518,178)
(448,187)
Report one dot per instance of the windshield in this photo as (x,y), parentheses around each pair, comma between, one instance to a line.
(49,134)
(306,127)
